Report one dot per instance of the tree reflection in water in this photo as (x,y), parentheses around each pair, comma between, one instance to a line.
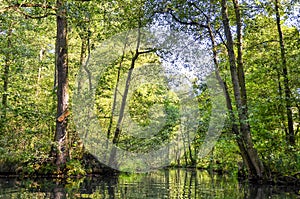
(175,183)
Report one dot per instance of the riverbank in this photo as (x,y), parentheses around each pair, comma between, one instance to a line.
(89,166)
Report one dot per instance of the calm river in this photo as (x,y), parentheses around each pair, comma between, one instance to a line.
(177,183)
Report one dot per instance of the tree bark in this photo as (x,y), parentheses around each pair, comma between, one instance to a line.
(124,99)
(61,135)
(234,124)
(122,108)
(291,134)
(118,130)
(249,154)
(240,64)
(280,106)
(114,104)
(192,159)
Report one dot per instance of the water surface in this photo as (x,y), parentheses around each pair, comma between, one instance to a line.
(177,183)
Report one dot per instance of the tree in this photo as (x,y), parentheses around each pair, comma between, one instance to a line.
(205,18)
(61,134)
(266,90)
(62,71)
(290,136)
(249,154)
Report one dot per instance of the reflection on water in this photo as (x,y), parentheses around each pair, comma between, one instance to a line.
(178,183)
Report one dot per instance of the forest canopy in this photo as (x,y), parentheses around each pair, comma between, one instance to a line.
(46,46)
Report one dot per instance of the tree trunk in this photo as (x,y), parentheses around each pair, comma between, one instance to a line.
(190,151)
(61,135)
(291,134)
(122,109)
(184,149)
(124,99)
(249,154)
(240,64)
(118,130)
(234,125)
(114,104)
(280,105)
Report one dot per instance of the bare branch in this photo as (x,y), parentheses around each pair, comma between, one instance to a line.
(197,7)
(34,5)
(147,51)
(192,23)
(222,39)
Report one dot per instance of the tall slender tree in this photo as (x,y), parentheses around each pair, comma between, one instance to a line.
(287,91)
(249,154)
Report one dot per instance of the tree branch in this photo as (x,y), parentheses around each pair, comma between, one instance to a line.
(192,23)
(34,5)
(197,7)
(147,51)
(222,39)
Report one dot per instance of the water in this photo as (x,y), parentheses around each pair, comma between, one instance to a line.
(179,183)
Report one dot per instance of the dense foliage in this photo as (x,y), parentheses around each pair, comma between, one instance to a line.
(266,46)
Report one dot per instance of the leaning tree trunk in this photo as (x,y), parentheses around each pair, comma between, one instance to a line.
(233,119)
(61,135)
(290,133)
(118,130)
(249,154)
